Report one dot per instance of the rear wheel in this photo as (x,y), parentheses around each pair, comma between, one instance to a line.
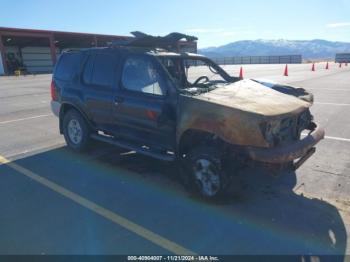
(75,130)
(207,177)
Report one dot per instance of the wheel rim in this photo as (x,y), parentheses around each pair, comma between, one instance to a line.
(207,177)
(74,131)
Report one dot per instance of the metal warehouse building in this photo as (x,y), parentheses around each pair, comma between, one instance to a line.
(36,51)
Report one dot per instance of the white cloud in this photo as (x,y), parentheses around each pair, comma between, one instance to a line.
(228,33)
(204,30)
(211,31)
(335,25)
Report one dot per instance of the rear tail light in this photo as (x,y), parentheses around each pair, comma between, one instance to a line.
(53,91)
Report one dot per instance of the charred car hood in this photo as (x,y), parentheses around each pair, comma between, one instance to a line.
(259,98)
(287,89)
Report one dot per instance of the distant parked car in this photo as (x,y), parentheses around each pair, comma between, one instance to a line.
(180,107)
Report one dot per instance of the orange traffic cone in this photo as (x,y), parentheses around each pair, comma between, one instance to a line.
(241,73)
(339,65)
(286,71)
(313,67)
(327,66)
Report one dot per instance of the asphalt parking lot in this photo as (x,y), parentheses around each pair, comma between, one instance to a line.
(108,201)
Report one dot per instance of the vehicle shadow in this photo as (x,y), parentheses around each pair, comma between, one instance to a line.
(282,222)
(307,227)
(313,225)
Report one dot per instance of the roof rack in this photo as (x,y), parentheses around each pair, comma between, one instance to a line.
(168,42)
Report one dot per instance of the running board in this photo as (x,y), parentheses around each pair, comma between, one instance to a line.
(137,149)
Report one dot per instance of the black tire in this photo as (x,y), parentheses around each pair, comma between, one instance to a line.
(81,144)
(197,159)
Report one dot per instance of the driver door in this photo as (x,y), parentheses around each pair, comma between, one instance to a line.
(142,111)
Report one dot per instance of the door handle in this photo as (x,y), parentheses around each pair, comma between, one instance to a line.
(118,100)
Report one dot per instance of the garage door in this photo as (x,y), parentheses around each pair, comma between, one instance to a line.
(37,59)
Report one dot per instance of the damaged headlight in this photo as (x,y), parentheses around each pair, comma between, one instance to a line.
(304,120)
(287,129)
(280,131)
(269,131)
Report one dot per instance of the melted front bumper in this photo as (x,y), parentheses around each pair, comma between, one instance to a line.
(301,149)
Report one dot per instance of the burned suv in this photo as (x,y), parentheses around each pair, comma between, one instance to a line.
(181,107)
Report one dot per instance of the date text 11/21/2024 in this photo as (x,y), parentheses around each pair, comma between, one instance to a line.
(173,258)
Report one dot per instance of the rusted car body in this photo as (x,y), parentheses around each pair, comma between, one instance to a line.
(240,113)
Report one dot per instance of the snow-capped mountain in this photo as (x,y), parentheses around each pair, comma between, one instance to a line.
(308,49)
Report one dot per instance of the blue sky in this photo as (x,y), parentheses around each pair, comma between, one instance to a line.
(215,22)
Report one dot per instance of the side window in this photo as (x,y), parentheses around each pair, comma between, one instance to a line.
(99,70)
(141,75)
(68,64)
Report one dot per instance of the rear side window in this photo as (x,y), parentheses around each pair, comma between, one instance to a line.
(68,65)
(99,70)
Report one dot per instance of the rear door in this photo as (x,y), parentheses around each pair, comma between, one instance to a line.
(142,109)
(99,83)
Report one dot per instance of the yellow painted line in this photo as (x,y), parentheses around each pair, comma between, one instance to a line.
(3,160)
(117,219)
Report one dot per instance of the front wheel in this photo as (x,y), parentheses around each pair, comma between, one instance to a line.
(206,172)
(75,131)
